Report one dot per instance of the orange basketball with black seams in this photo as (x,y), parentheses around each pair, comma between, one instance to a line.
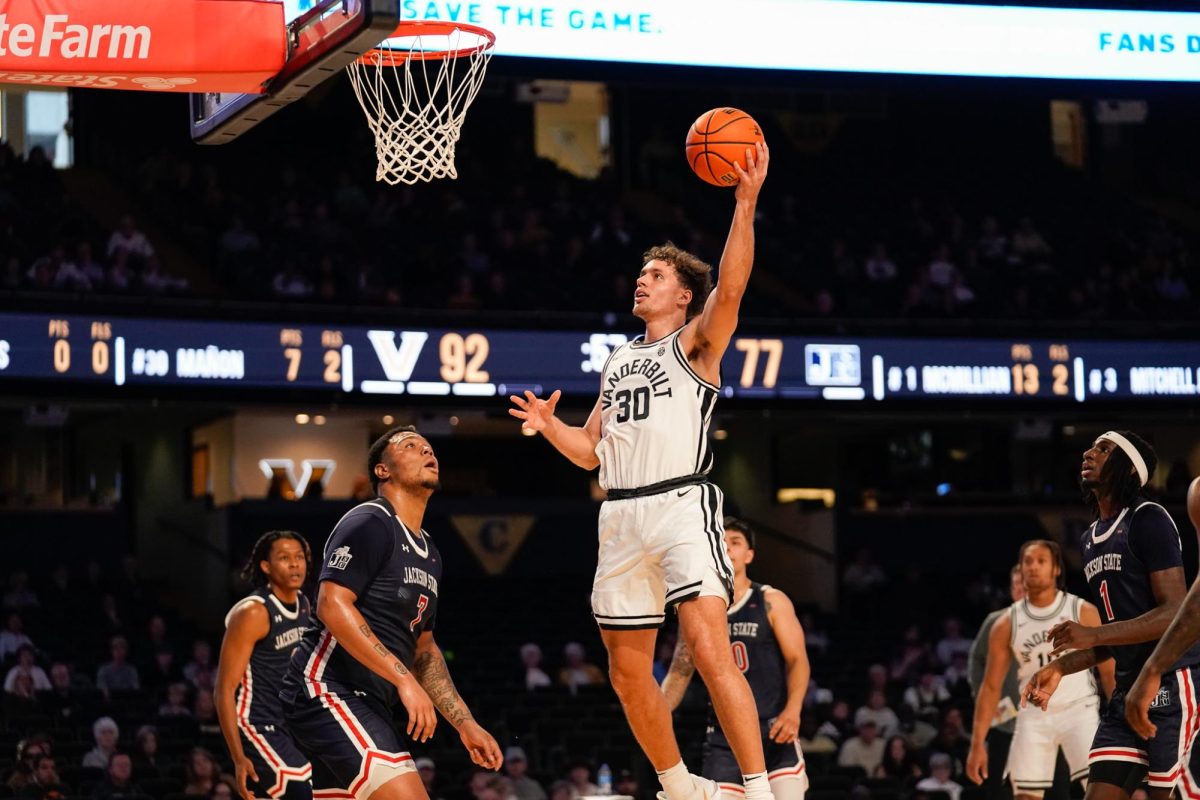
(717,140)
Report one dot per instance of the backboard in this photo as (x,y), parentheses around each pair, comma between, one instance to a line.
(324,36)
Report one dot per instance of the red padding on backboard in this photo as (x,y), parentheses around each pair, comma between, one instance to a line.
(156,45)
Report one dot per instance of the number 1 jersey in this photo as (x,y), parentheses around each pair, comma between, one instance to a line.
(654,415)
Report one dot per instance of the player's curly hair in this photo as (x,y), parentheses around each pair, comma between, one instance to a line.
(1119,480)
(1055,555)
(379,447)
(262,552)
(742,527)
(693,273)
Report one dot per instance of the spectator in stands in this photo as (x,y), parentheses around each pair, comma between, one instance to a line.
(290,282)
(877,678)
(1028,244)
(880,269)
(44,784)
(177,704)
(941,271)
(118,780)
(19,701)
(67,274)
(952,739)
(626,783)
(562,790)
(222,790)
(146,762)
(535,676)
(204,710)
(952,642)
(865,750)
(876,710)
(579,774)
(90,269)
(105,732)
(577,671)
(516,766)
(128,241)
(29,750)
(863,575)
(916,731)
(498,787)
(839,725)
(63,702)
(428,772)
(19,595)
(163,671)
(812,739)
(898,762)
(201,772)
(13,636)
(941,767)
(157,280)
(927,695)
(121,277)
(957,676)
(118,674)
(199,671)
(27,666)
(816,639)
(478,782)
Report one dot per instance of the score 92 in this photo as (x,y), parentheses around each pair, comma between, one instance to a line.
(463,357)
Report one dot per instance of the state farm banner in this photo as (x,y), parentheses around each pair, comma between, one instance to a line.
(159,45)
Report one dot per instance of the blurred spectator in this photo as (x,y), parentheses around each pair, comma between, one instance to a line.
(864,750)
(118,780)
(877,677)
(91,270)
(941,767)
(177,704)
(29,750)
(839,725)
(957,676)
(157,280)
(863,575)
(223,790)
(516,766)
(535,676)
(428,772)
(952,642)
(941,272)
(199,671)
(898,761)
(478,782)
(626,784)
(816,640)
(19,702)
(27,666)
(916,731)
(879,268)
(562,790)
(927,695)
(105,733)
(205,712)
(13,636)
(118,674)
(498,787)
(912,657)
(952,738)
(200,772)
(579,774)
(578,672)
(876,710)
(1028,244)
(19,595)
(63,701)
(128,241)
(163,671)
(145,754)
(44,783)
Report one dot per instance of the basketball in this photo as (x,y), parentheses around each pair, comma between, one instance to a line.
(717,140)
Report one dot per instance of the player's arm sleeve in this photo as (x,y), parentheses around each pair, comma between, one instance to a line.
(1156,540)
(357,549)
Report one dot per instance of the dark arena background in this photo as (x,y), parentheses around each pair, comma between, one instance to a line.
(962,277)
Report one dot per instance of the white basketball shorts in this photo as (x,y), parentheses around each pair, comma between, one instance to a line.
(1040,734)
(659,550)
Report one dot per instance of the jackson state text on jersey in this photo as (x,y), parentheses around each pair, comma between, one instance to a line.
(1119,556)
(394,574)
(654,415)
(257,695)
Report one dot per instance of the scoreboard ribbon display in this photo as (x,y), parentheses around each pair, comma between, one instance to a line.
(481,363)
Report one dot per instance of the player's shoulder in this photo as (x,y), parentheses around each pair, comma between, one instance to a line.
(374,512)
(1147,511)
(250,608)
(775,598)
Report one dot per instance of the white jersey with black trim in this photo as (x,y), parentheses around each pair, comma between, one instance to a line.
(654,415)
(1031,647)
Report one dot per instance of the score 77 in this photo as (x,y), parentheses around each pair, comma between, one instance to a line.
(752,348)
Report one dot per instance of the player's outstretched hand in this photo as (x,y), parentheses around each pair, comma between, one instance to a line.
(422,718)
(750,179)
(1072,636)
(243,770)
(786,727)
(1137,703)
(534,412)
(1041,686)
(481,745)
(977,763)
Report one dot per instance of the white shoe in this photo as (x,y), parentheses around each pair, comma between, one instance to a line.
(704,790)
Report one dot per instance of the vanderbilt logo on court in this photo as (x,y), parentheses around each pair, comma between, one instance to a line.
(340,558)
(1163,698)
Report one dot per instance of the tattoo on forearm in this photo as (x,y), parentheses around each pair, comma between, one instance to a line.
(378,647)
(682,664)
(434,676)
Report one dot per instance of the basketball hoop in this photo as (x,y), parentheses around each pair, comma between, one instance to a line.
(415,89)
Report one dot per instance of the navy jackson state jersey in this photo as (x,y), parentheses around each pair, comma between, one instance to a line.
(1119,554)
(395,573)
(257,697)
(757,654)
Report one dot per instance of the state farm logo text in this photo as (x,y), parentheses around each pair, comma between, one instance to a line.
(60,39)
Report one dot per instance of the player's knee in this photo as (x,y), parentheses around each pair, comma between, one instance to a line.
(712,661)
(626,676)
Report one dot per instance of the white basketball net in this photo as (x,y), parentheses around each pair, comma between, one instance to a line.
(416,108)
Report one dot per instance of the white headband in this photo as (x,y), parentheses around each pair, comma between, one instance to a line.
(1139,463)
(401,436)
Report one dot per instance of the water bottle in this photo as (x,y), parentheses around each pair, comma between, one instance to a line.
(604,780)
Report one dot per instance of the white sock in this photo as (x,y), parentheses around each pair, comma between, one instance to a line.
(757,787)
(676,782)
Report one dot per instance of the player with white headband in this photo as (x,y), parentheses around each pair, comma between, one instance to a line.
(1133,561)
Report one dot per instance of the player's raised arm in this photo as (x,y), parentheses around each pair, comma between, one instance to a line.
(434,676)
(790,636)
(709,334)
(987,700)
(248,623)
(577,444)
(679,675)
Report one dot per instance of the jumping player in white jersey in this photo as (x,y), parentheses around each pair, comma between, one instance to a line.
(661,541)
(768,647)
(1071,720)
(261,631)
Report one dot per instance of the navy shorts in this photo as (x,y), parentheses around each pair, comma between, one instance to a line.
(784,762)
(283,771)
(351,741)
(1174,712)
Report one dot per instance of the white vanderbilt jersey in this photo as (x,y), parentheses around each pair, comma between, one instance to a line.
(1031,647)
(654,415)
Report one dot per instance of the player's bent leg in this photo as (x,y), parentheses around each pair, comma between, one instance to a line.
(1115,780)
(703,624)
(631,670)
(405,786)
